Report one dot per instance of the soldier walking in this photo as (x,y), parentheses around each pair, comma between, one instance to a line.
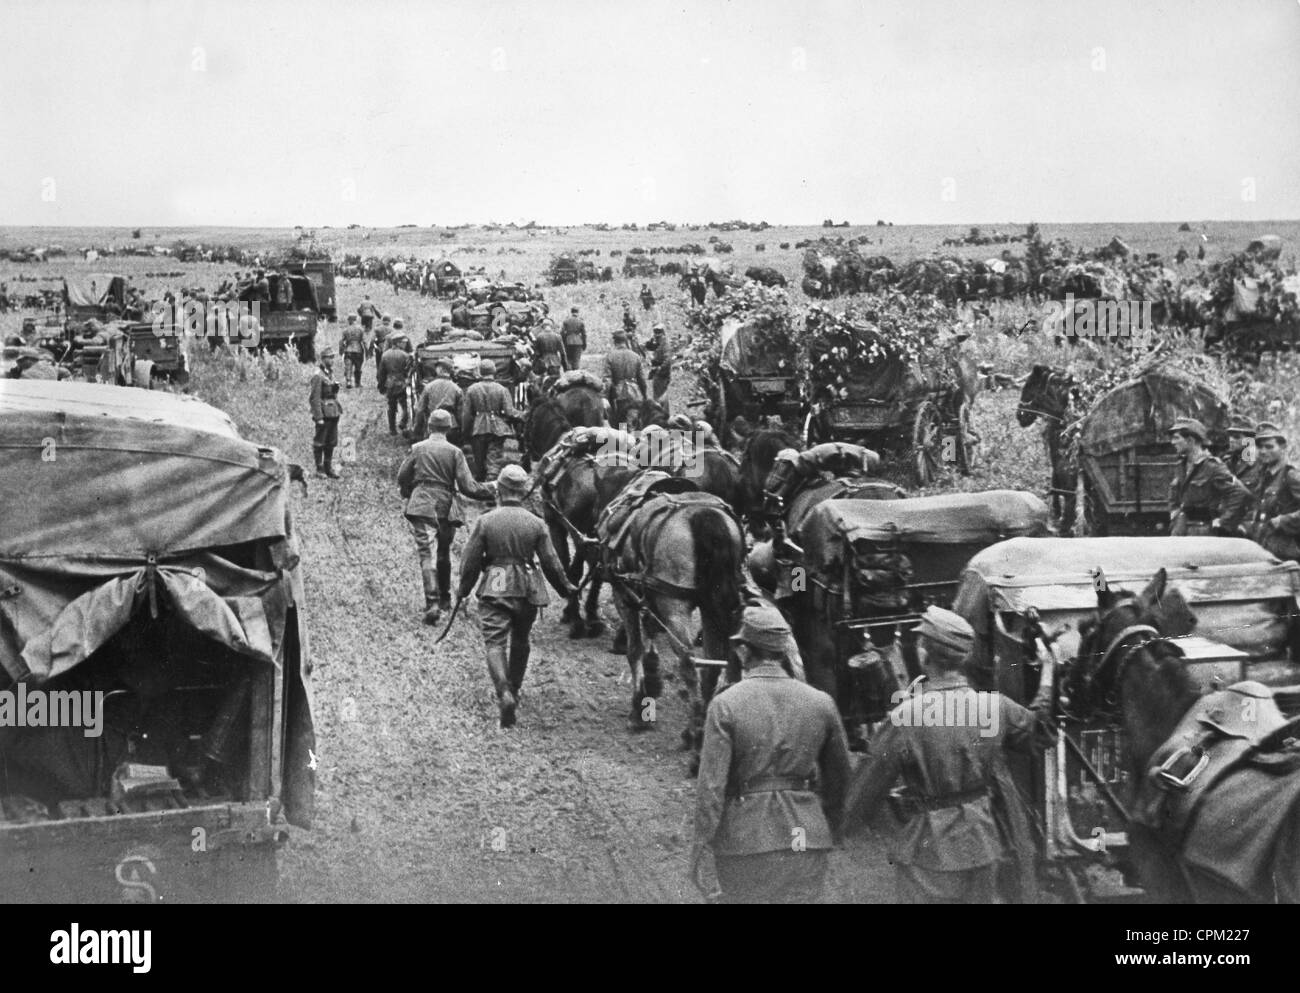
(954,766)
(647,297)
(548,350)
(428,480)
(773,770)
(323,398)
(661,361)
(626,378)
(574,333)
(439,393)
(487,420)
(394,368)
(1204,497)
(353,345)
(504,547)
(1275,484)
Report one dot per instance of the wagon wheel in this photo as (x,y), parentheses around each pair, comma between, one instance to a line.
(1094,514)
(967,441)
(927,443)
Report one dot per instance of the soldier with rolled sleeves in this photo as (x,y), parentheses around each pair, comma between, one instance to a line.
(323,397)
(773,769)
(504,547)
(439,393)
(487,419)
(428,480)
(1275,485)
(394,368)
(947,744)
(574,333)
(1204,497)
(1240,431)
(353,345)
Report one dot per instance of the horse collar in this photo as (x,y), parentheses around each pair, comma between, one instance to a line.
(1118,640)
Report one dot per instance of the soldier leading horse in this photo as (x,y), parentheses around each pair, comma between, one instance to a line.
(1046,395)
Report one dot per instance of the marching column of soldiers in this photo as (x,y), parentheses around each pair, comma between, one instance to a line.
(777,790)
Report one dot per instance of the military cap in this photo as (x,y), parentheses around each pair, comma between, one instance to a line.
(487,368)
(352,318)
(1267,429)
(573,310)
(387,317)
(1240,424)
(442,364)
(620,336)
(945,628)
(446,318)
(513,479)
(441,420)
(763,627)
(327,352)
(658,327)
(1190,425)
(398,323)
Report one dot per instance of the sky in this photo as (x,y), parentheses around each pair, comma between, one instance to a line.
(387,112)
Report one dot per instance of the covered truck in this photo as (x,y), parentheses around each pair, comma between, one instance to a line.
(156,732)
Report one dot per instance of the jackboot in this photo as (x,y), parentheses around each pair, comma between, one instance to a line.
(519,652)
(496,662)
(319,453)
(329,462)
(431,611)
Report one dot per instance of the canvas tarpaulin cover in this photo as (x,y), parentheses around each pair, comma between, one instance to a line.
(118,498)
(90,291)
(1141,411)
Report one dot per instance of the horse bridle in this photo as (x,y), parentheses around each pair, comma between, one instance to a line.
(1113,650)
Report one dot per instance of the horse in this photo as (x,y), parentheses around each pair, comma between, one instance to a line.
(1047,394)
(583,406)
(544,425)
(759,456)
(1238,840)
(640,414)
(686,557)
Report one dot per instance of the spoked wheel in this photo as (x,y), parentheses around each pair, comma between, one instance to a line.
(927,444)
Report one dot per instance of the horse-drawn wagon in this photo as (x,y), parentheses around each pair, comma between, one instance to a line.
(1245,609)
(893,387)
(872,566)
(1124,455)
(754,377)
(464,356)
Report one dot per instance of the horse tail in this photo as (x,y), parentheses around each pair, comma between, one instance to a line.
(717,568)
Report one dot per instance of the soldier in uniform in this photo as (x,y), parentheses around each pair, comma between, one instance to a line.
(773,770)
(1204,497)
(353,345)
(647,296)
(527,386)
(428,479)
(574,333)
(548,350)
(326,410)
(504,546)
(1240,431)
(394,368)
(487,420)
(1275,484)
(625,383)
(439,393)
(661,361)
(947,745)
(379,343)
(629,322)
(37,363)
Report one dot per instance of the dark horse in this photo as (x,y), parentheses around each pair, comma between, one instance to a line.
(549,418)
(1238,838)
(759,456)
(1047,394)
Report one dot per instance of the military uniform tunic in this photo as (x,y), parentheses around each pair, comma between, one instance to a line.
(1276,491)
(323,398)
(1202,492)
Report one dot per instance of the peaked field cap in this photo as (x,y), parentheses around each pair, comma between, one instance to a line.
(1267,429)
(763,627)
(1191,426)
(512,477)
(943,627)
(441,419)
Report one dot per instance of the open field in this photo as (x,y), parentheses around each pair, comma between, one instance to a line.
(421,797)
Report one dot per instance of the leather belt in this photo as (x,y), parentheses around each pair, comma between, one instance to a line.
(951,799)
(775,784)
(1199,515)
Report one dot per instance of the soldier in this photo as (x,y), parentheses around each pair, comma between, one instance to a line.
(1239,432)
(439,393)
(367,312)
(283,290)
(353,345)
(263,287)
(1204,497)
(325,412)
(625,381)
(1275,484)
(661,361)
(574,333)
(379,343)
(37,363)
(487,420)
(629,322)
(548,350)
(773,769)
(647,297)
(504,546)
(428,479)
(947,744)
(527,385)
(394,368)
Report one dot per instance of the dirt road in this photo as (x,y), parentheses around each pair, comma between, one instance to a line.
(421,797)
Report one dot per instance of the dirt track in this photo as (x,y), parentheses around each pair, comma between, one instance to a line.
(421,797)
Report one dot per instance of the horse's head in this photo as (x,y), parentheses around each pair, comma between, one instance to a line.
(1128,637)
(1037,398)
